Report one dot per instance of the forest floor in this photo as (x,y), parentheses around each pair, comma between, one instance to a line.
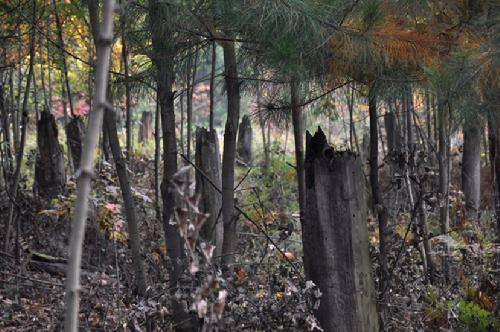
(265,293)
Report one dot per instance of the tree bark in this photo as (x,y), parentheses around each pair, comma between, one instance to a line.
(335,238)
(50,177)
(298,134)
(208,161)
(471,165)
(146,127)
(378,204)
(7,147)
(20,149)
(128,110)
(245,139)
(229,153)
(128,201)
(84,174)
(263,128)
(212,85)
(73,134)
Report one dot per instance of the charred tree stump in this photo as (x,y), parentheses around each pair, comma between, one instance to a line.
(208,160)
(245,141)
(471,165)
(335,238)
(50,177)
(73,134)
(146,127)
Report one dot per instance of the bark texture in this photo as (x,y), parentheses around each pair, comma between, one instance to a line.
(73,130)
(298,134)
(245,138)
(229,154)
(128,200)
(208,161)
(146,127)
(50,176)
(471,165)
(335,238)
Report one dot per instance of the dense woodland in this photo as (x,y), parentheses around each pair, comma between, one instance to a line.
(250,165)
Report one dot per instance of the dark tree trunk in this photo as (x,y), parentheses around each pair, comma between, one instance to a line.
(212,85)
(6,148)
(128,111)
(245,138)
(50,176)
(471,165)
(444,167)
(378,205)
(208,161)
(229,154)
(128,200)
(444,180)
(20,150)
(157,159)
(105,145)
(298,134)
(146,127)
(335,238)
(263,129)
(73,130)
(190,79)
(163,59)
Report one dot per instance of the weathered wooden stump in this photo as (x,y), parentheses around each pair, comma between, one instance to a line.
(146,127)
(50,177)
(208,161)
(335,238)
(245,141)
(73,133)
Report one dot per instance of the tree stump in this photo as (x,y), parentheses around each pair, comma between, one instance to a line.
(50,177)
(335,238)
(245,141)
(73,134)
(471,165)
(146,127)
(208,161)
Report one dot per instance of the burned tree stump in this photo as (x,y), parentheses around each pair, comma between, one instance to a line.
(245,141)
(146,127)
(50,177)
(74,136)
(208,161)
(335,238)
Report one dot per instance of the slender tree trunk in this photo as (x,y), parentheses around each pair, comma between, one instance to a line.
(84,174)
(229,154)
(128,111)
(444,180)
(128,200)
(335,238)
(262,123)
(20,151)
(298,134)
(378,205)
(443,167)
(428,114)
(410,139)
(471,166)
(7,148)
(73,134)
(212,85)
(189,104)
(157,160)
